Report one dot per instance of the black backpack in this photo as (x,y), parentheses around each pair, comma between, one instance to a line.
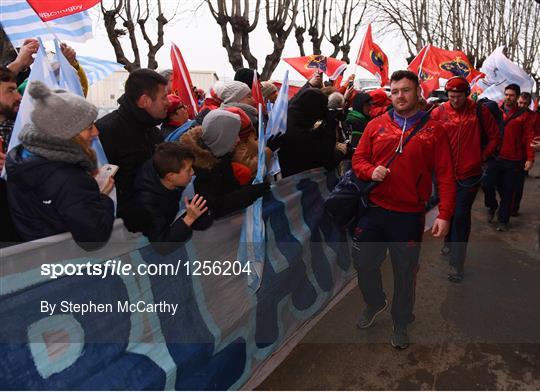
(497,114)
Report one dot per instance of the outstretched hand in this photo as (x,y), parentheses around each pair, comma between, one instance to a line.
(194,209)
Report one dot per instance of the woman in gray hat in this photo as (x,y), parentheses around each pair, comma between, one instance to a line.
(50,184)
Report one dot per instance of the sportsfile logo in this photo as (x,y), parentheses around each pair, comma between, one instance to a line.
(67,11)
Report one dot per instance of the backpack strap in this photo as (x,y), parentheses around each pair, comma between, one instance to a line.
(514,116)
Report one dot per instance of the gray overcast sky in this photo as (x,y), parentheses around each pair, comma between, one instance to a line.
(199,38)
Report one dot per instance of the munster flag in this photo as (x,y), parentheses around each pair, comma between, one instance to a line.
(53,9)
(256,92)
(181,83)
(308,65)
(372,58)
(447,63)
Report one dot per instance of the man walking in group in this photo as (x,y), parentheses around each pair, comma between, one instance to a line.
(395,219)
(474,137)
(504,172)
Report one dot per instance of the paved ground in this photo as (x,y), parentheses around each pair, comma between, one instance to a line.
(481,334)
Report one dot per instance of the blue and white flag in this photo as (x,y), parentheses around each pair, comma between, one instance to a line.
(97,69)
(21,22)
(277,120)
(43,71)
(252,247)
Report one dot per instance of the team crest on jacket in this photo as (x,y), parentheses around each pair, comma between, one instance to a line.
(457,66)
(316,61)
(377,58)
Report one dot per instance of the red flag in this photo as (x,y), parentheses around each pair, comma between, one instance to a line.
(372,58)
(446,63)
(256,92)
(181,82)
(308,65)
(54,9)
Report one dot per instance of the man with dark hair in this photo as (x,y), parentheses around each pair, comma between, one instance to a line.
(524,102)
(394,220)
(158,190)
(466,130)
(10,100)
(516,155)
(129,134)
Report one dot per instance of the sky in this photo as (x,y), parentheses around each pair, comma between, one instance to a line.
(199,38)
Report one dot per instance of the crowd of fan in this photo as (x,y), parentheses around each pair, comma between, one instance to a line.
(50,185)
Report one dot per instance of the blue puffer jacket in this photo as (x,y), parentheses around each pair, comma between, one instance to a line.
(50,197)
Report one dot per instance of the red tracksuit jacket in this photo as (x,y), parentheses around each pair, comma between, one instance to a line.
(464,132)
(517,138)
(407,187)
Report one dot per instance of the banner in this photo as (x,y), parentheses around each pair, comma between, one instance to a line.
(372,58)
(20,22)
(221,333)
(97,69)
(54,9)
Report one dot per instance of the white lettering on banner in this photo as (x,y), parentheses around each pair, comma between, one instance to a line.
(69,10)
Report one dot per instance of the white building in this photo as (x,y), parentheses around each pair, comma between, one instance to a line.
(106,92)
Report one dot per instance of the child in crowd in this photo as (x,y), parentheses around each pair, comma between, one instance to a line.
(158,190)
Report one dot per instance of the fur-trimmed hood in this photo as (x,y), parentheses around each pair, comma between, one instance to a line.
(192,139)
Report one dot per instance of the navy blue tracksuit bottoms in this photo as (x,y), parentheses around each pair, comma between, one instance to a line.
(377,232)
(460,226)
(502,175)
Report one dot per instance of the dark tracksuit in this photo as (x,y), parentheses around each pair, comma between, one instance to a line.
(395,222)
(465,133)
(504,173)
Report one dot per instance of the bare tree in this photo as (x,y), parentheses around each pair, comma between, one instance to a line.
(474,26)
(341,30)
(314,22)
(7,51)
(236,22)
(137,17)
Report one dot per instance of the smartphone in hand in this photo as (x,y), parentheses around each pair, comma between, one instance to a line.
(105,172)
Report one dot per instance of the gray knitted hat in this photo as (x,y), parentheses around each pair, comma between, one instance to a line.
(234,91)
(220,131)
(60,113)
(268,88)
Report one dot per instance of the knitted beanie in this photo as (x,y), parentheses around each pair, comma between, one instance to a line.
(246,127)
(59,113)
(245,75)
(268,88)
(234,91)
(220,131)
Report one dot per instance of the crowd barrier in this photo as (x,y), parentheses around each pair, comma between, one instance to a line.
(222,333)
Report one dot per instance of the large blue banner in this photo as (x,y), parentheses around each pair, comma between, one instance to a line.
(221,330)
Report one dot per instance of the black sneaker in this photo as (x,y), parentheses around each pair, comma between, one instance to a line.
(491,214)
(502,226)
(445,251)
(368,315)
(400,339)
(454,275)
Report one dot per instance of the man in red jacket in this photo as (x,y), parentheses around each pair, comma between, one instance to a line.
(460,117)
(504,172)
(395,218)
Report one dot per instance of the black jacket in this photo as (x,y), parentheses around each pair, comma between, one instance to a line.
(162,205)
(49,197)
(305,146)
(215,179)
(129,136)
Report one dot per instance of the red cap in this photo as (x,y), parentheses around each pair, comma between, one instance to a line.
(458,84)
(245,123)
(174,103)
